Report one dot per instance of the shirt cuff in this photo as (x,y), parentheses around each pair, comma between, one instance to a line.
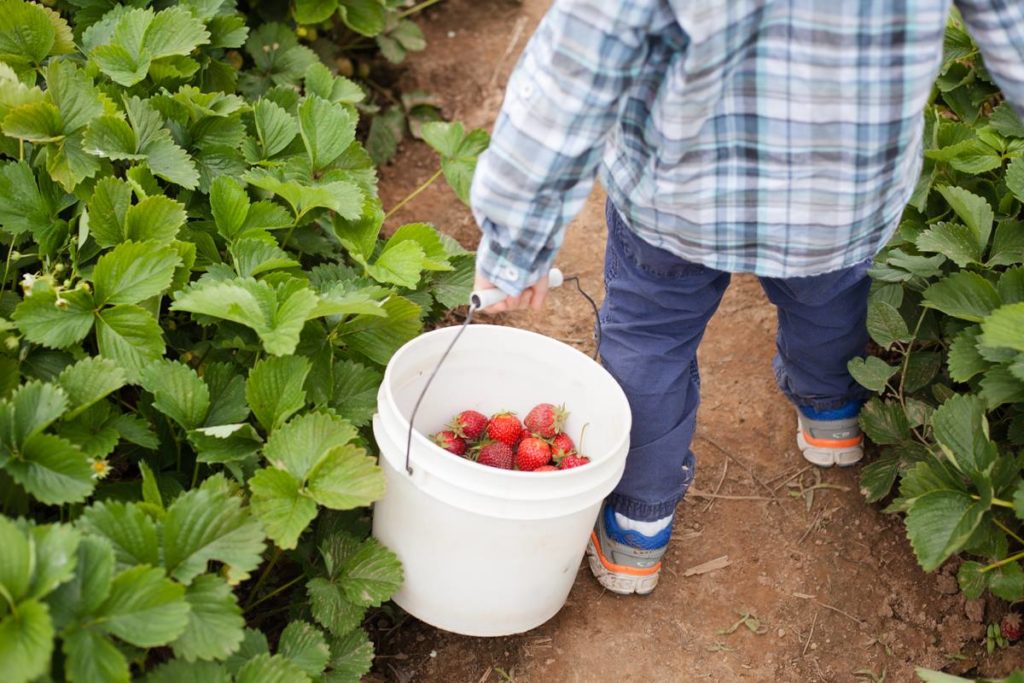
(494,264)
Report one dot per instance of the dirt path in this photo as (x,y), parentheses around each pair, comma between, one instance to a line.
(831,581)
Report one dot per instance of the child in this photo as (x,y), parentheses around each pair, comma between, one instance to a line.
(777,137)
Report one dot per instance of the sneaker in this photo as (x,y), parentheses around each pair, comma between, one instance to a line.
(828,438)
(625,561)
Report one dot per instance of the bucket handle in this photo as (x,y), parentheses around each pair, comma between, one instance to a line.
(483,299)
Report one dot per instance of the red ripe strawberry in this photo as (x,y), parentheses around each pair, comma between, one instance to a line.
(574,460)
(562,445)
(525,434)
(532,453)
(469,424)
(546,468)
(1011,627)
(496,454)
(451,442)
(505,427)
(545,420)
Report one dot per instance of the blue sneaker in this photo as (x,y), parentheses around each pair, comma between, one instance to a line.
(830,437)
(622,560)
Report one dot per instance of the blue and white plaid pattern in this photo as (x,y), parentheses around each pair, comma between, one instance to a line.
(779,137)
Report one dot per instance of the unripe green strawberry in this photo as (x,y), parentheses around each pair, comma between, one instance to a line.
(532,453)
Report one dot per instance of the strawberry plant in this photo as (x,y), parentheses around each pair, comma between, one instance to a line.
(947,315)
(195,305)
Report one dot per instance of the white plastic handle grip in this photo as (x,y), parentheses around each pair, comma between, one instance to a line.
(485,298)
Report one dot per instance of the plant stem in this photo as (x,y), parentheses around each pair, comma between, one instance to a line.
(7,267)
(195,474)
(283,587)
(263,577)
(418,8)
(1008,531)
(412,195)
(998,502)
(1004,561)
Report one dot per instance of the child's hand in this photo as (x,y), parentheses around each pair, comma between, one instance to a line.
(531,297)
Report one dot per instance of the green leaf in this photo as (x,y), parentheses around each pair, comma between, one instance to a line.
(939,523)
(130,531)
(378,338)
(55,322)
(144,608)
(953,240)
(878,477)
(963,358)
(973,210)
(38,122)
(88,381)
(225,443)
(999,385)
(177,671)
(274,389)
(1003,328)
(885,324)
(322,83)
(961,430)
(280,504)
(174,31)
(327,130)
(399,264)
(28,37)
(922,366)
(351,657)
(254,256)
(1015,178)
(36,406)
(57,544)
(215,623)
(229,204)
(354,393)
(270,669)
(963,295)
(156,218)
(26,638)
(275,127)
(133,272)
(305,645)
(1011,286)
(1007,245)
(1007,582)
(1018,501)
(203,525)
(110,137)
(330,607)
(302,442)
(884,422)
(16,562)
(872,372)
(972,580)
(371,575)
(277,316)
(453,288)
(368,17)
(314,11)
(91,656)
(227,394)
(179,392)
(340,196)
(107,210)
(969,156)
(129,336)
(24,206)
(458,150)
(53,470)
(346,478)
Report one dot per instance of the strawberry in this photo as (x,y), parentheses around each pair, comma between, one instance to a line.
(469,424)
(1011,627)
(525,434)
(496,454)
(505,427)
(545,420)
(546,468)
(562,445)
(451,442)
(532,453)
(573,460)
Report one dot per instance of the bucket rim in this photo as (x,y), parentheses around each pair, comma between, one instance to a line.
(472,466)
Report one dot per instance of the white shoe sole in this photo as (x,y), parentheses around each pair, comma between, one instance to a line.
(827,457)
(622,584)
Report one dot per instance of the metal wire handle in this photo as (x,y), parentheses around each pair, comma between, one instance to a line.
(475,304)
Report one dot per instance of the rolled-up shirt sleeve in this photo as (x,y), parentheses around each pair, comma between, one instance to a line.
(997,26)
(561,102)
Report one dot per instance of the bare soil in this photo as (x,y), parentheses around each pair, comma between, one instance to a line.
(831,581)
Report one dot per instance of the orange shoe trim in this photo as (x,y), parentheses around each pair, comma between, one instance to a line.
(618,568)
(832,443)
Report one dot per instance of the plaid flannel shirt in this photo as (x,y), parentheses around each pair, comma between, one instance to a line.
(779,137)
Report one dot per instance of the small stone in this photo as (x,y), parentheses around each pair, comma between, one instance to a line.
(814,646)
(433,653)
(946,584)
(782,633)
(975,610)
(451,34)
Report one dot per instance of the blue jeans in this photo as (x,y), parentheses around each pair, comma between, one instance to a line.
(656,308)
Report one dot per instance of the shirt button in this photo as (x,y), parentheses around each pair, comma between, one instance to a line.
(510,272)
(527,89)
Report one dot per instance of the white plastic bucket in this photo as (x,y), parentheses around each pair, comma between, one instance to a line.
(491,552)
